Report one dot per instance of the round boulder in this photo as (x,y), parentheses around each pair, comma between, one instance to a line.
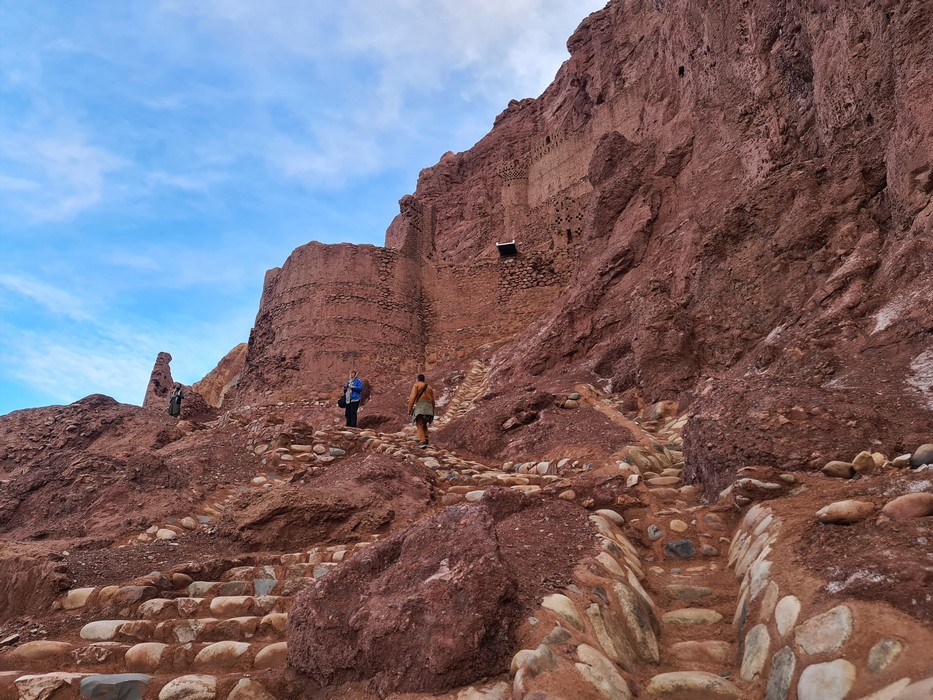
(435,606)
(909,506)
(841,470)
(922,455)
(864,463)
(844,512)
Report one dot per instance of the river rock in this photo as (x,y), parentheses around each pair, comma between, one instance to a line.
(248,689)
(679,549)
(565,607)
(757,647)
(600,672)
(223,654)
(826,632)
(781,674)
(45,685)
(692,684)
(691,616)
(921,690)
(705,651)
(909,506)
(864,463)
(845,512)
(39,649)
(685,592)
(191,687)
(882,654)
(922,455)
(271,656)
(827,681)
(145,657)
(117,686)
(785,614)
(842,470)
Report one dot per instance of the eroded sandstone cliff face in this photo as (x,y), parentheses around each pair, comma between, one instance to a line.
(728,205)
(214,386)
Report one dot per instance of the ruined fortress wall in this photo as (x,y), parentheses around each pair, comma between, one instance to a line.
(492,299)
(488,302)
(330,309)
(557,167)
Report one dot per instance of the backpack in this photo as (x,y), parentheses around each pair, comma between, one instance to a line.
(366,392)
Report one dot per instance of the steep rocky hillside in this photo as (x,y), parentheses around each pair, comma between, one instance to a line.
(724,205)
(684,438)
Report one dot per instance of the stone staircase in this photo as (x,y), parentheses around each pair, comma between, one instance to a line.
(697,607)
(468,393)
(680,603)
(172,637)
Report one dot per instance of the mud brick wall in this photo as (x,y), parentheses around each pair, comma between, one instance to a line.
(330,309)
(558,166)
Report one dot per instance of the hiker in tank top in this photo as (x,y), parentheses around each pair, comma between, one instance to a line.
(421,408)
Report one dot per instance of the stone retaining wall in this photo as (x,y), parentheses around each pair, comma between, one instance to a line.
(816,647)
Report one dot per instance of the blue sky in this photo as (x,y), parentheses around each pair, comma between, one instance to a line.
(158,156)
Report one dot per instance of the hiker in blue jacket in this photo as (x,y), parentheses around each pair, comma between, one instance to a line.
(352,391)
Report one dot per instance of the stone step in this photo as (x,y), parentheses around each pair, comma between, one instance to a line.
(135,686)
(690,617)
(692,684)
(184,630)
(152,657)
(703,651)
(259,586)
(217,607)
(308,565)
(126,601)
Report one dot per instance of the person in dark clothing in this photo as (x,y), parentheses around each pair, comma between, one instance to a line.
(174,402)
(352,391)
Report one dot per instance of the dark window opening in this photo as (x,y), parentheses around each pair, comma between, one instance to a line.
(547,140)
(680,71)
(870,119)
(507,250)
(569,235)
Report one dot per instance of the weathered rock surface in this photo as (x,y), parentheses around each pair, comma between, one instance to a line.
(215,384)
(675,222)
(431,607)
(365,495)
(160,387)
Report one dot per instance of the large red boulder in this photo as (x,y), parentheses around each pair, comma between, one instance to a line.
(436,606)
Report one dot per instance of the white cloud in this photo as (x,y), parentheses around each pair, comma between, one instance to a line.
(51,298)
(340,153)
(69,371)
(385,63)
(69,174)
(17,184)
(114,358)
(201,182)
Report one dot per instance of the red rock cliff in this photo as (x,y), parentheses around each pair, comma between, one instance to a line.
(725,204)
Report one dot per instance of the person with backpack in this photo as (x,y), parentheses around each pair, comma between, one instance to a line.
(174,402)
(421,409)
(352,392)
